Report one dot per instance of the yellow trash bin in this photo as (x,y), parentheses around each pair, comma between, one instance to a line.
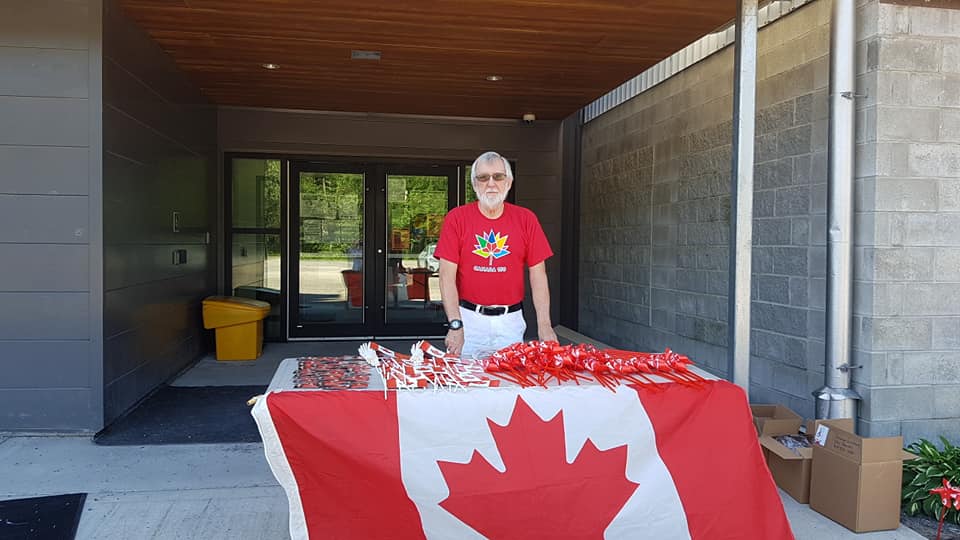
(239,325)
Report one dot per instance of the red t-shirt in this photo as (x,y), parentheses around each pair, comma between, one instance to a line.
(490,254)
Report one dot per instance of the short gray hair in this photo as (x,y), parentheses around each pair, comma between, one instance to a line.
(490,157)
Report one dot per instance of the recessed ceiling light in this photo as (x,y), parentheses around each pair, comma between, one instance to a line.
(270,66)
(494,78)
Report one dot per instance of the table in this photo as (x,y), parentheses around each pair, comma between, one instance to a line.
(662,462)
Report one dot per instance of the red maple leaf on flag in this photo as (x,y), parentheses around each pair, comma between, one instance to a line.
(581,498)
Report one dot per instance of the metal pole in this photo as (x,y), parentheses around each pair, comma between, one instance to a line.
(836,399)
(741,196)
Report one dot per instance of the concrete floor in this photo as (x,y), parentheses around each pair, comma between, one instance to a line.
(214,491)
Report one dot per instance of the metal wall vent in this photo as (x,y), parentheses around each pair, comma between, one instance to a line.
(365,55)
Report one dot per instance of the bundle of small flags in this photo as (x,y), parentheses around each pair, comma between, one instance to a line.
(535,363)
(424,366)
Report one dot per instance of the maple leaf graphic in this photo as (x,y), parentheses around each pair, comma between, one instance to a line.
(539,495)
(491,246)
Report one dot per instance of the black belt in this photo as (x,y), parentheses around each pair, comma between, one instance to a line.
(491,310)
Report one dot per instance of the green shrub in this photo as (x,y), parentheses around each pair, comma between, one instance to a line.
(927,472)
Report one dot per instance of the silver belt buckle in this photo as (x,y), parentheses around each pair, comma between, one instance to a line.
(506,309)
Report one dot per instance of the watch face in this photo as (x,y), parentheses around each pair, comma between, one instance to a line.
(456,324)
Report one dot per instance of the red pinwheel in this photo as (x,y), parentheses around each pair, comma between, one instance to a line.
(949,496)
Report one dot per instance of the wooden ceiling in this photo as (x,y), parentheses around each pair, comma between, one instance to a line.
(554,56)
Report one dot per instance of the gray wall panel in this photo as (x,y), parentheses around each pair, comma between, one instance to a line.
(131,387)
(51,24)
(45,267)
(37,316)
(43,219)
(134,350)
(547,210)
(186,123)
(127,265)
(40,121)
(44,170)
(53,364)
(28,71)
(529,186)
(139,200)
(159,150)
(126,45)
(49,215)
(63,409)
(241,127)
(164,304)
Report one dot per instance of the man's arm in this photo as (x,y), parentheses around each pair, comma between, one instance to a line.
(451,304)
(541,301)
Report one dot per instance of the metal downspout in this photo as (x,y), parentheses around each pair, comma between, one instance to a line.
(836,399)
(741,195)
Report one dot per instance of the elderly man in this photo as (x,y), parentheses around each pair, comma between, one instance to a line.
(483,249)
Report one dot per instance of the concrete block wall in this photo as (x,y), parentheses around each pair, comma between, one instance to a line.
(655,213)
(908,217)
(655,221)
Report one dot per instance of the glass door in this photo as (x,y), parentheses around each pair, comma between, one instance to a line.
(417,199)
(361,249)
(329,271)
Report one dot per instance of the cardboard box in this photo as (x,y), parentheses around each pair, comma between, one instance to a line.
(855,481)
(775,419)
(791,469)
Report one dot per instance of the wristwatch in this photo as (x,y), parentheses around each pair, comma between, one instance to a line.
(455,324)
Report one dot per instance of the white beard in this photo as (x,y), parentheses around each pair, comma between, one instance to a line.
(491,201)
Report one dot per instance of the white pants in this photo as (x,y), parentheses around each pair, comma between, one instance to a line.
(484,334)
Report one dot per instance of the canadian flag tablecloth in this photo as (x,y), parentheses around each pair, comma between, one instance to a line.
(567,462)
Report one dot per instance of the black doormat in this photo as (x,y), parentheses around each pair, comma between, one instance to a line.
(187,414)
(41,518)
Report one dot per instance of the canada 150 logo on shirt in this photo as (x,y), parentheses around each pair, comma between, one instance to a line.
(491,246)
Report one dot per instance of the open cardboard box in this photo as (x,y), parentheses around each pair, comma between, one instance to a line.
(791,469)
(775,419)
(855,480)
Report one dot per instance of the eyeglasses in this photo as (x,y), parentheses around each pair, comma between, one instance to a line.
(498,177)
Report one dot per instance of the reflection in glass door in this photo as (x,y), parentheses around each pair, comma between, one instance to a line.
(416,206)
(329,274)
(254,233)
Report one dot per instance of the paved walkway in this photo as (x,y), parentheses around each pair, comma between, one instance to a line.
(212,491)
(207,491)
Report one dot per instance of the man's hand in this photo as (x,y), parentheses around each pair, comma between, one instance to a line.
(454,342)
(546,333)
